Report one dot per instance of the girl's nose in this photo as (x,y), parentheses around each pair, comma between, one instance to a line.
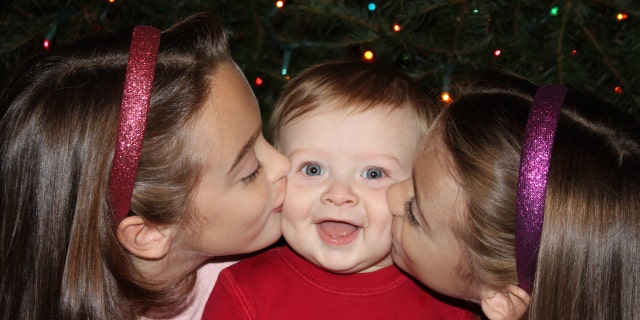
(279,164)
(397,196)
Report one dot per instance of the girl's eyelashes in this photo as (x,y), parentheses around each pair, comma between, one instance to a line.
(408,210)
(250,178)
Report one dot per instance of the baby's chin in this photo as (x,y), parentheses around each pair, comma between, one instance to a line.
(352,267)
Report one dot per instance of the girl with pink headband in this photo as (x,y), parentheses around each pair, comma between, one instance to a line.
(129,160)
(525,199)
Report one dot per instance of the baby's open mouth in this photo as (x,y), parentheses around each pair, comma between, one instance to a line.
(337,232)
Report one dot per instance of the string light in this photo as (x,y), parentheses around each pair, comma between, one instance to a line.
(618,90)
(368,55)
(371,6)
(445,97)
(574,52)
(396,27)
(554,11)
(258,81)
(286,61)
(497,53)
(279,4)
(50,35)
(112,1)
(621,16)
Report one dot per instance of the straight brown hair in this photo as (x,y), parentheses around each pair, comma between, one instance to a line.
(589,257)
(59,255)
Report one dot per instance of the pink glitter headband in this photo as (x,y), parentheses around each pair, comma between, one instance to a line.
(532,180)
(133,117)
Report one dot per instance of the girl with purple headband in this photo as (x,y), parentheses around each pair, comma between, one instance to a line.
(129,160)
(525,199)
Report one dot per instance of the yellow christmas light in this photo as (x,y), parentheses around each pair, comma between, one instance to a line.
(279,4)
(445,97)
(368,55)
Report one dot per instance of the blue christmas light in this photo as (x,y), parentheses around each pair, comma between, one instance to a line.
(371,6)
(286,61)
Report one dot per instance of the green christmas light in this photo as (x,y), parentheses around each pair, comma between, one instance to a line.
(554,11)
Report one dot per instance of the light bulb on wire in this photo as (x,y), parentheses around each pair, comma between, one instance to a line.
(368,55)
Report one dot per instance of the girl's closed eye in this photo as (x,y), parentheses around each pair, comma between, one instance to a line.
(408,210)
(252,177)
(374,173)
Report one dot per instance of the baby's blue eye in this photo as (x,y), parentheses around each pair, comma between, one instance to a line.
(373,173)
(312,169)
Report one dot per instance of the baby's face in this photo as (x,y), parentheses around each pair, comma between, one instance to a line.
(335,212)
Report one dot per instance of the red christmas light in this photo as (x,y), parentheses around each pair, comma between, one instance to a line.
(618,90)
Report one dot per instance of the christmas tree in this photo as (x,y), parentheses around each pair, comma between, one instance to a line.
(591,45)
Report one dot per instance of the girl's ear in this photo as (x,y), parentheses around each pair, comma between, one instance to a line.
(142,239)
(510,303)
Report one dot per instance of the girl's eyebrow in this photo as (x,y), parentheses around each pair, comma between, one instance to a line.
(245,149)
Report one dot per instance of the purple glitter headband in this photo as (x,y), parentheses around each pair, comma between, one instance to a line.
(532,180)
(133,116)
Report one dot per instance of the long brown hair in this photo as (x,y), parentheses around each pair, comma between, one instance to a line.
(59,255)
(589,256)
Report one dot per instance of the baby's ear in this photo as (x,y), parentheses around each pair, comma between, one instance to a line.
(142,239)
(509,303)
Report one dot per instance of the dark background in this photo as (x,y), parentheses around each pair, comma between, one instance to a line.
(593,45)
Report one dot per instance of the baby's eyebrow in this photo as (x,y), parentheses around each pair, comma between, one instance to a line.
(245,149)
(389,157)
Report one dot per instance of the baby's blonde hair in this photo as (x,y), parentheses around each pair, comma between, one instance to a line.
(350,84)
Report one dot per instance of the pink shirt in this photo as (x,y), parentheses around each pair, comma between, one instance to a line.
(207,276)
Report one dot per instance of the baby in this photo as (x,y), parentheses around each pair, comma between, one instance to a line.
(350,130)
